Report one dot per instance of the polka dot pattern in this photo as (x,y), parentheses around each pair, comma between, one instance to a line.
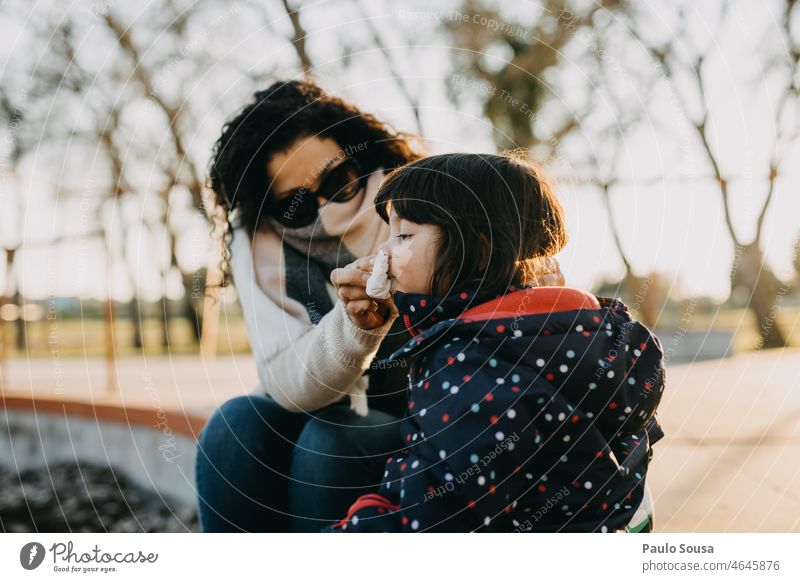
(541,422)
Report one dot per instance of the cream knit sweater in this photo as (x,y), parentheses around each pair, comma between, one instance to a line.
(301,365)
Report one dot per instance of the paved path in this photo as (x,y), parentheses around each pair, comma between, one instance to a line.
(730,461)
(179,384)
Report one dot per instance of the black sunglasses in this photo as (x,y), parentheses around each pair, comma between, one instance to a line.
(339,183)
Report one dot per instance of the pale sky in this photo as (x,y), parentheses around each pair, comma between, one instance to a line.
(673,225)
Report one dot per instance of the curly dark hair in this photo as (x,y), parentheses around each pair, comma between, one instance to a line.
(276,118)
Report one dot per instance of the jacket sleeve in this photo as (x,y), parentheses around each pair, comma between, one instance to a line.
(478,449)
(301,365)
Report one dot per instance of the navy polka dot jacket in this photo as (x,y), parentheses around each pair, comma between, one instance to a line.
(533,410)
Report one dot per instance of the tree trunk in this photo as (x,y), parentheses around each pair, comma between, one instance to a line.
(3,347)
(211,308)
(188,308)
(111,370)
(19,323)
(765,293)
(164,323)
(134,308)
(645,295)
(191,284)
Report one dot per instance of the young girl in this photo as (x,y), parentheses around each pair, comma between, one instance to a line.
(529,408)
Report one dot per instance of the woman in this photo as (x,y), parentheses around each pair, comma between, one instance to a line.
(296,173)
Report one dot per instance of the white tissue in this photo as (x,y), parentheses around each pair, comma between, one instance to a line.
(378,284)
(358,403)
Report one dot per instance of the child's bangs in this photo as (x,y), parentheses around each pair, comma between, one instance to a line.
(410,191)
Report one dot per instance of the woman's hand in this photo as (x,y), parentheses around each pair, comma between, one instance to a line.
(351,283)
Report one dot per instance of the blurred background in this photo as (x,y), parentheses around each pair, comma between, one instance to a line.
(670,130)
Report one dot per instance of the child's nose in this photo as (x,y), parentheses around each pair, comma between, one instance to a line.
(384,246)
(388,252)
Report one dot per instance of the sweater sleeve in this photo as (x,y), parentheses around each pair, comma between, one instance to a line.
(303,366)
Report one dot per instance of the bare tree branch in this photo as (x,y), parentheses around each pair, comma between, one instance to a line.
(299,39)
(397,77)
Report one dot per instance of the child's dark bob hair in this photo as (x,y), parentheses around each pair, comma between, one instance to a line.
(495,213)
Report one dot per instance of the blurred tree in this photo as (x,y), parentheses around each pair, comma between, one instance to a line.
(96,107)
(299,39)
(511,63)
(12,114)
(684,66)
(514,60)
(184,170)
(796,260)
(531,104)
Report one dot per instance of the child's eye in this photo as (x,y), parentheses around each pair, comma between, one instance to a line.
(403,236)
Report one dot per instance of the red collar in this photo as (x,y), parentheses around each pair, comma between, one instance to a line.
(530,301)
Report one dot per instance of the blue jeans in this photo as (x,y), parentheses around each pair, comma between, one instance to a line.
(261,468)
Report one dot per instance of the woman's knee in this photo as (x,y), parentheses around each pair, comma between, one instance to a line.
(338,432)
(247,422)
(243,457)
(241,412)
